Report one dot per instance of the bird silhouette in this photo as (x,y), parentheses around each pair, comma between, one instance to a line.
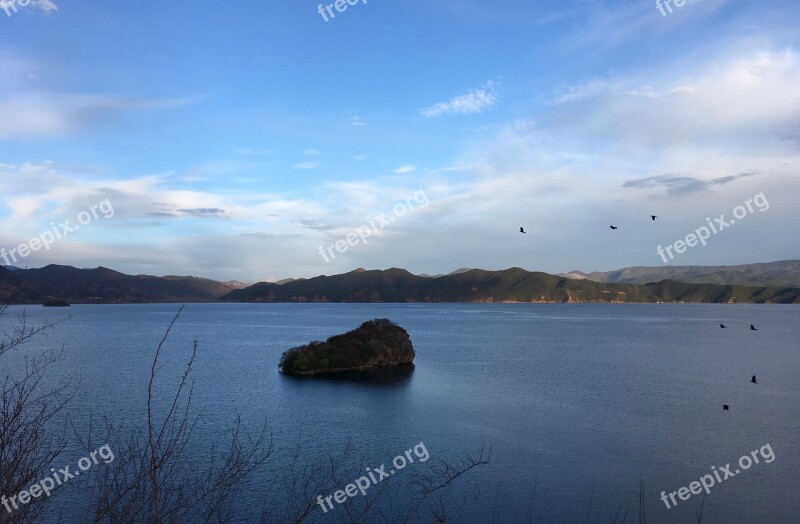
(753,380)
(725,407)
(753,328)
(522,230)
(653,217)
(723,326)
(614,227)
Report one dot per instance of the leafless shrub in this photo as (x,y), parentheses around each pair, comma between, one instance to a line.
(151,479)
(28,408)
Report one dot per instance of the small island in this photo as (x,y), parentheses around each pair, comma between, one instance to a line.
(376,343)
(55,302)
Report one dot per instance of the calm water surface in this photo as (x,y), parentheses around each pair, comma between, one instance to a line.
(577,402)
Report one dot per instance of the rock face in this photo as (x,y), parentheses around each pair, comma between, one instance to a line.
(376,343)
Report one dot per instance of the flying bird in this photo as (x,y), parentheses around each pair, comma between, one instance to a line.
(725,407)
(653,217)
(753,328)
(614,227)
(723,326)
(753,380)
(522,230)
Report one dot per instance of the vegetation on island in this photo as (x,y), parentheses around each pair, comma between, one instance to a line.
(55,302)
(376,343)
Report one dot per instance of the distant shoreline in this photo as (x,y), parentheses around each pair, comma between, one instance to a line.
(487,303)
(392,286)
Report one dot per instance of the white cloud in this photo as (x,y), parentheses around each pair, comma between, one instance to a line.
(45,6)
(52,114)
(602,27)
(748,98)
(37,193)
(559,176)
(403,170)
(474,101)
(356,121)
(307,165)
(246,151)
(162,229)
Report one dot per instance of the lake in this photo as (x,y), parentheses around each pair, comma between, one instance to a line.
(578,403)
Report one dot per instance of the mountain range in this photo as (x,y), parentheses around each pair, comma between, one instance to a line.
(785,273)
(102,285)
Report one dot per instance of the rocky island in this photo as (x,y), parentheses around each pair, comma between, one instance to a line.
(376,343)
(55,302)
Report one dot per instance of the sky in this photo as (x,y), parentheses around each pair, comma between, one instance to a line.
(266,140)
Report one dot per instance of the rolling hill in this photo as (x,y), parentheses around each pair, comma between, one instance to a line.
(510,285)
(102,285)
(785,273)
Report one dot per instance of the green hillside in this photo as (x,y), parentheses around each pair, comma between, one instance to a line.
(510,285)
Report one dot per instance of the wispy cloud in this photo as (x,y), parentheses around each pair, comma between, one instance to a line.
(356,121)
(746,97)
(474,101)
(307,165)
(313,225)
(678,185)
(39,114)
(403,170)
(246,151)
(204,212)
(44,6)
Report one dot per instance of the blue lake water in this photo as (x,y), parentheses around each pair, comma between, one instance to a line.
(578,403)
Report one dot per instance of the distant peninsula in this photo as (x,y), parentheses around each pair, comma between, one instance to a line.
(376,343)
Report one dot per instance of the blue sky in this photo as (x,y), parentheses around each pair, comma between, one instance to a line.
(235,139)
